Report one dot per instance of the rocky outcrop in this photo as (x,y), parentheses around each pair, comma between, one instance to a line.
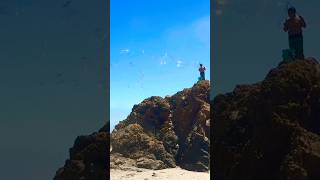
(165,132)
(270,130)
(89,158)
(159,133)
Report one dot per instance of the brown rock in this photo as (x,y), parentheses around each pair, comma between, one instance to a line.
(159,133)
(177,127)
(150,163)
(88,158)
(270,130)
(132,142)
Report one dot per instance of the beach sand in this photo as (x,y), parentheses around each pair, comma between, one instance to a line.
(147,174)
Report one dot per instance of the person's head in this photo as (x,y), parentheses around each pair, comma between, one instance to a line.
(200,65)
(292,12)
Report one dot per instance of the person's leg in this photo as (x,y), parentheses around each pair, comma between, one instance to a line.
(293,45)
(202,76)
(300,48)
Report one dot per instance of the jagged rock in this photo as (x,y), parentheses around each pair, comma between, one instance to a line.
(132,142)
(88,159)
(177,127)
(270,130)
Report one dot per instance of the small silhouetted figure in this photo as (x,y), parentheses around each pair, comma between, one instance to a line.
(294,25)
(202,70)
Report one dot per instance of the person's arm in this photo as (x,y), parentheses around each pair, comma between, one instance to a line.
(285,26)
(303,23)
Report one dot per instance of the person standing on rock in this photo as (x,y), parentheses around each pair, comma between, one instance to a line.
(294,25)
(202,70)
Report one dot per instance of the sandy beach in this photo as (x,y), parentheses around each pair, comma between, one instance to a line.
(146,174)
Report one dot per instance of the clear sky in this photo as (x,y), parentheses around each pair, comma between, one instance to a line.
(248,38)
(156,48)
(53,82)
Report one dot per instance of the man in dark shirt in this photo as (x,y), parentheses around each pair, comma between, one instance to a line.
(293,25)
(202,70)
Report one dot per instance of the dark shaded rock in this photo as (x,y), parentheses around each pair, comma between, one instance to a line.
(88,159)
(270,130)
(197,146)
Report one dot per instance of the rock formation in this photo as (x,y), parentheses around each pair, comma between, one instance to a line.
(89,158)
(164,132)
(159,133)
(271,129)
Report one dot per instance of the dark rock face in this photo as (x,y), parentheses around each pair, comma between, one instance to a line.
(165,132)
(89,158)
(270,130)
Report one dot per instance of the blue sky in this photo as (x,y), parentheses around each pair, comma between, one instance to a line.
(156,48)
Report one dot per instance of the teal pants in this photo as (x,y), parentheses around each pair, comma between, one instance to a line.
(202,76)
(296,44)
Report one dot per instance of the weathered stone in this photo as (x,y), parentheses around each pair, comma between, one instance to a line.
(176,128)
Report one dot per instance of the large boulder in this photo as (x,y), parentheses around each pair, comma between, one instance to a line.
(169,131)
(148,152)
(89,158)
(270,130)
